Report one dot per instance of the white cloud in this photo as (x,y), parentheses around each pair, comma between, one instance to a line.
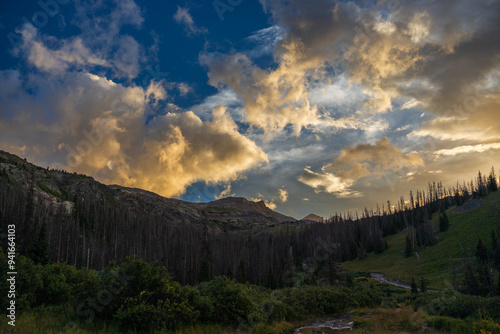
(468,149)
(88,124)
(283,193)
(269,203)
(99,44)
(226,192)
(182,16)
(265,40)
(339,93)
(328,182)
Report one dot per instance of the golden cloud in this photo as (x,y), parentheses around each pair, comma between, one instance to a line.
(91,125)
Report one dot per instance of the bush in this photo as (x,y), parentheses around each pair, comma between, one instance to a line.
(310,301)
(150,299)
(450,325)
(137,315)
(486,325)
(230,302)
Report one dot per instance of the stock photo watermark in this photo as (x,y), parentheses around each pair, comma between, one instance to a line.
(40,18)
(221,7)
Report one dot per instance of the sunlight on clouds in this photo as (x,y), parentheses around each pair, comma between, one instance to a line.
(272,99)
(269,203)
(366,159)
(355,163)
(104,125)
(226,192)
(468,149)
(328,182)
(283,193)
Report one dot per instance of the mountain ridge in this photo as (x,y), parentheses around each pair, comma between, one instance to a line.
(56,187)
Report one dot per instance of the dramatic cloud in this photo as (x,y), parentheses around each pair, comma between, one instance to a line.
(375,160)
(269,203)
(394,90)
(225,193)
(393,50)
(89,124)
(102,32)
(119,133)
(183,17)
(354,163)
(283,194)
(328,182)
(468,149)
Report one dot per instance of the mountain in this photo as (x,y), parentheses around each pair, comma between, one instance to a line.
(80,221)
(313,218)
(72,218)
(61,188)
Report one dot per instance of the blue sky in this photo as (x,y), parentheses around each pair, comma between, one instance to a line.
(315,106)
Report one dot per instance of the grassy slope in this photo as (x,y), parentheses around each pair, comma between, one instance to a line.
(436,262)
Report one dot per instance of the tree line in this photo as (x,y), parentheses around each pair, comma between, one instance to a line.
(89,231)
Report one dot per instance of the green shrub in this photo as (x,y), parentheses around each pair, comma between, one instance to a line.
(143,292)
(137,315)
(450,325)
(230,302)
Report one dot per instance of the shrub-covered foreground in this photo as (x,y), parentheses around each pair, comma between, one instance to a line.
(136,296)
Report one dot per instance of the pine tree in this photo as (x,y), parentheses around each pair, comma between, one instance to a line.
(423,285)
(204,273)
(408,246)
(229,272)
(498,285)
(241,275)
(485,280)
(470,282)
(39,251)
(481,252)
(444,223)
(414,287)
(495,249)
(494,243)
(271,280)
(492,181)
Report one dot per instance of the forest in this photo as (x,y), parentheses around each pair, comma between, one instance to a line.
(96,258)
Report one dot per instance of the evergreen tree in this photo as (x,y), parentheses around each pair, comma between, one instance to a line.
(444,223)
(271,280)
(470,285)
(229,272)
(494,243)
(408,246)
(204,273)
(485,280)
(498,285)
(492,181)
(39,251)
(241,275)
(481,186)
(414,287)
(495,249)
(481,252)
(423,285)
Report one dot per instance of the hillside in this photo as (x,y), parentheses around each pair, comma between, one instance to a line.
(62,188)
(87,223)
(475,219)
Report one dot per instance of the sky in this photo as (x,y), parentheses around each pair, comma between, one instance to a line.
(311,106)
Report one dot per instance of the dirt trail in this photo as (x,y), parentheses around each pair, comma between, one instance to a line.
(342,322)
(380,277)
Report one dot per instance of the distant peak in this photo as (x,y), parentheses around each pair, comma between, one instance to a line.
(314,217)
